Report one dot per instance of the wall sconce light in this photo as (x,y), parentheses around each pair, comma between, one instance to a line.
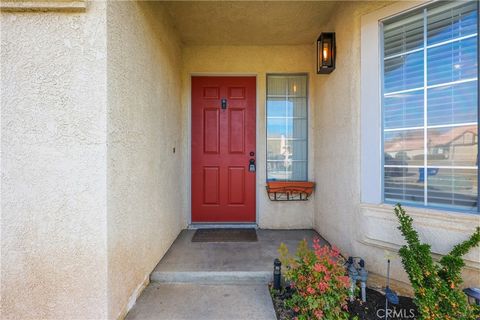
(326,53)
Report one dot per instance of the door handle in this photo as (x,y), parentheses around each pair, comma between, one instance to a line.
(251,165)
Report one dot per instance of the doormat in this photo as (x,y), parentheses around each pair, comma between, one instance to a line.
(225,235)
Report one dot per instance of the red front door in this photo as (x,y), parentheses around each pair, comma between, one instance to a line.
(223,146)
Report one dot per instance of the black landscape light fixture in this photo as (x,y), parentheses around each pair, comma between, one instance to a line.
(326,52)
(277,274)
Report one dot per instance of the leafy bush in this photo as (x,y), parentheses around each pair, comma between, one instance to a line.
(436,285)
(319,282)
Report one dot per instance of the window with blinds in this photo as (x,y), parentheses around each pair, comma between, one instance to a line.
(430,106)
(287,126)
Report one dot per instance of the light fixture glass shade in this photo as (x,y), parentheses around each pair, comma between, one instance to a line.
(326,53)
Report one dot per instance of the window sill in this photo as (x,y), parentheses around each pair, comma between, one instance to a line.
(462,220)
(441,229)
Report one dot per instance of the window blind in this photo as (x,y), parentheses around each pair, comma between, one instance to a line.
(430,106)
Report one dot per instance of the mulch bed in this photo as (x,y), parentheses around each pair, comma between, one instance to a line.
(373,309)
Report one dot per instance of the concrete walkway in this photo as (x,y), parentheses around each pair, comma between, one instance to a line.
(215,281)
(203,302)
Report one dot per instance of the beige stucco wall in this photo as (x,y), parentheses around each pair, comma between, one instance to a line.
(361,229)
(53,118)
(254,60)
(74,145)
(145,176)
(92,194)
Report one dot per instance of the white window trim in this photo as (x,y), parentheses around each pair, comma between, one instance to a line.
(370,103)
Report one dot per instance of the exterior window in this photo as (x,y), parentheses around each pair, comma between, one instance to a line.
(287,127)
(430,106)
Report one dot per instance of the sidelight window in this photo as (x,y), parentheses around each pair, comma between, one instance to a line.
(287,126)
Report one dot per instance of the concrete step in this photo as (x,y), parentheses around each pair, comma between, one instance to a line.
(181,301)
(217,263)
(212,277)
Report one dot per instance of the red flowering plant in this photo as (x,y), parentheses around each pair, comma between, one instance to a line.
(319,281)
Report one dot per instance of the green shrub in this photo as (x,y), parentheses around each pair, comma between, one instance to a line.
(438,295)
(320,286)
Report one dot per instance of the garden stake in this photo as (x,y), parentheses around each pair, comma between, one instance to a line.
(388,283)
(389,294)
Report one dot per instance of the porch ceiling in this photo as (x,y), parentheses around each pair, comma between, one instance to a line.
(249,22)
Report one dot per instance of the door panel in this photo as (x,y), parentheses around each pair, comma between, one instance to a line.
(223,188)
(236,131)
(211,185)
(211,133)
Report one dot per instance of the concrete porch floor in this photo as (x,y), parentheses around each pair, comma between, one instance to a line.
(221,280)
(226,262)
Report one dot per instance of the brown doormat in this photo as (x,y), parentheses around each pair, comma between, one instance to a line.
(225,235)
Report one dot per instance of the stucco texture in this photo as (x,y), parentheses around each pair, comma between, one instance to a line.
(78,151)
(261,23)
(258,61)
(93,105)
(145,176)
(53,149)
(359,229)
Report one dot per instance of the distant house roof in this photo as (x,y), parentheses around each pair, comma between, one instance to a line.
(413,140)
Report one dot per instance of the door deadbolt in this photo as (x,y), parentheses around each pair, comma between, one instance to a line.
(251,165)
(224,104)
